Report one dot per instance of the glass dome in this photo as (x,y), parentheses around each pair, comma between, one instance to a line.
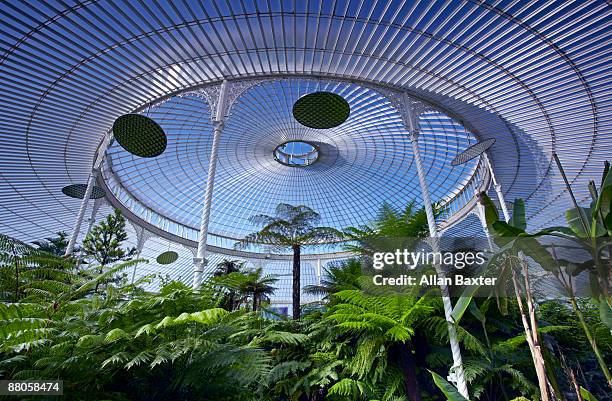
(360,165)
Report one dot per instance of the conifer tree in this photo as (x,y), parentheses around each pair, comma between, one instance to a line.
(104,243)
(54,245)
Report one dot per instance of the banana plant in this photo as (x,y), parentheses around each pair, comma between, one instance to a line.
(515,245)
(590,228)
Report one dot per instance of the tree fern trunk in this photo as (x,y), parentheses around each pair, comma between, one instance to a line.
(15,260)
(407,364)
(296,282)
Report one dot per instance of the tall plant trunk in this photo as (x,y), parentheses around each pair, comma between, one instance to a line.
(296,281)
(254,302)
(407,364)
(15,259)
(531,334)
(231,301)
(320,394)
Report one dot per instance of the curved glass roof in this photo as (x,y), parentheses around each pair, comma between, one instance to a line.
(363,163)
(534,75)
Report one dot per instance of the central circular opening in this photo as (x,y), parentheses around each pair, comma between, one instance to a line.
(296,153)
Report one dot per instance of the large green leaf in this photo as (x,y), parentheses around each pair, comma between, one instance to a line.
(518,215)
(608,223)
(491,214)
(605,194)
(464,301)
(605,313)
(115,334)
(506,230)
(586,395)
(575,221)
(477,313)
(450,391)
(597,227)
(553,230)
(604,200)
(532,248)
(606,177)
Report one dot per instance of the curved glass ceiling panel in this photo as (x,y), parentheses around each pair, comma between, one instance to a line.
(363,163)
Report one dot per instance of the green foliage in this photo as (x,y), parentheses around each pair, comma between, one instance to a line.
(104,243)
(111,345)
(605,313)
(451,393)
(589,229)
(391,224)
(586,395)
(241,288)
(291,226)
(54,245)
(338,276)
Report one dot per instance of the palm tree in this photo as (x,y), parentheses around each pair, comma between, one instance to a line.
(257,286)
(390,223)
(338,276)
(228,295)
(228,266)
(292,227)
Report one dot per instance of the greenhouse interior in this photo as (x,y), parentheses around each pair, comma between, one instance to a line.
(272,200)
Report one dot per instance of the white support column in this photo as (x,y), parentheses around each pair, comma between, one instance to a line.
(498,189)
(91,182)
(200,261)
(81,214)
(92,217)
(480,213)
(141,235)
(458,374)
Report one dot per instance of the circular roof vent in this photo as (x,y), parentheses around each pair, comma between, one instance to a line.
(167,257)
(472,152)
(296,153)
(140,135)
(321,110)
(78,191)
